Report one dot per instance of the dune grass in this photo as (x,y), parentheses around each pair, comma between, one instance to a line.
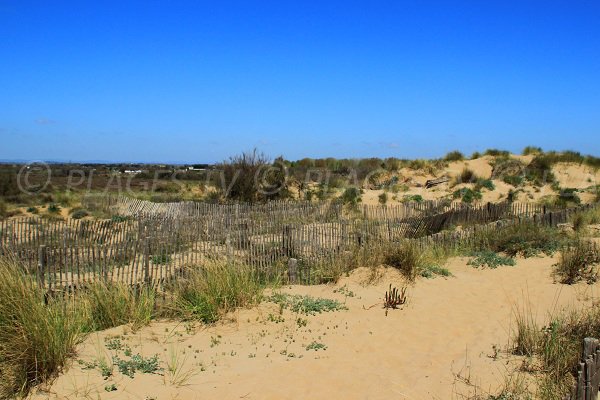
(35,338)
(213,290)
(553,350)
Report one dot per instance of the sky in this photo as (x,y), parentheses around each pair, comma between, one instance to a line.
(194,81)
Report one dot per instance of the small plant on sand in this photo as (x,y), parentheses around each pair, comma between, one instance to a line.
(432,270)
(306,304)
(316,346)
(79,213)
(394,298)
(467,175)
(467,195)
(137,363)
(490,259)
(578,263)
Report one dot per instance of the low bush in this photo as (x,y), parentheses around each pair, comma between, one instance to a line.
(383,198)
(578,263)
(79,213)
(406,257)
(514,180)
(485,183)
(32,210)
(417,198)
(3,209)
(454,156)
(466,176)
(529,150)
(497,153)
(467,195)
(54,208)
(525,239)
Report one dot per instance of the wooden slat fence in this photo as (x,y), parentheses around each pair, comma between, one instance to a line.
(588,372)
(154,249)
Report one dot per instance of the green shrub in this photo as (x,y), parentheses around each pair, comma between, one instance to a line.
(539,170)
(485,183)
(466,176)
(497,153)
(3,209)
(383,198)
(54,208)
(467,195)
(454,156)
(578,263)
(513,180)
(475,155)
(529,150)
(526,239)
(417,198)
(78,213)
(351,196)
(33,210)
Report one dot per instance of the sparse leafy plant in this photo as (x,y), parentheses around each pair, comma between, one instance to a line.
(490,259)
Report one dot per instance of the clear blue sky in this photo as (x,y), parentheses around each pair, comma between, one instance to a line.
(198,81)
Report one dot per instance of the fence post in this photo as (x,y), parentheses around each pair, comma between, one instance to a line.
(42,258)
(292,270)
(147,260)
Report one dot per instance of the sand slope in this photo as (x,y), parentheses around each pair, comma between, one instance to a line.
(445,335)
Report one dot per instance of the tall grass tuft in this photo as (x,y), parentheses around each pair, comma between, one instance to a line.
(107,305)
(215,289)
(407,258)
(35,338)
(577,263)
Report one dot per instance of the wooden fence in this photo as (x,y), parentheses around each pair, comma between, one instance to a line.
(152,249)
(588,372)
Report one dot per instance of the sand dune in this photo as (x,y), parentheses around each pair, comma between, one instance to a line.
(443,337)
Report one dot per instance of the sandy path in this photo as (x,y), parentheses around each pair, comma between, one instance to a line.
(448,328)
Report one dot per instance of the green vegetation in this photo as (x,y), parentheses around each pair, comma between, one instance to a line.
(490,259)
(467,195)
(466,176)
(514,180)
(432,270)
(553,350)
(214,290)
(351,196)
(383,198)
(525,239)
(485,183)
(316,346)
(306,304)
(532,150)
(54,208)
(454,156)
(137,363)
(407,257)
(78,213)
(35,338)
(578,263)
